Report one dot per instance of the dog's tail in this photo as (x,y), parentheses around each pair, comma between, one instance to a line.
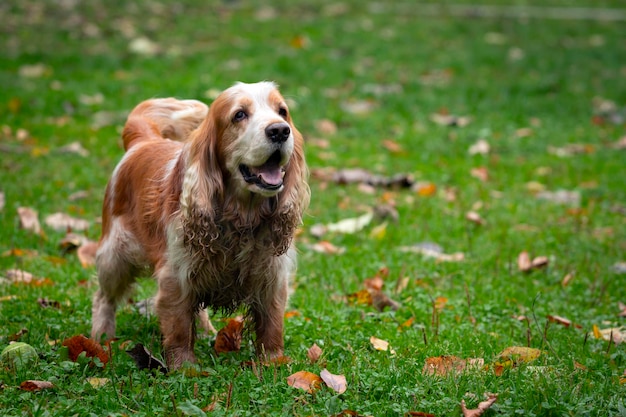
(163,118)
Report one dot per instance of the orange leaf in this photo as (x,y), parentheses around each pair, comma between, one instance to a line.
(336,382)
(425,189)
(79,344)
(363,297)
(304,380)
(440,303)
(228,339)
(314,353)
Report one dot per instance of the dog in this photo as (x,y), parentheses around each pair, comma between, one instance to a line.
(208,199)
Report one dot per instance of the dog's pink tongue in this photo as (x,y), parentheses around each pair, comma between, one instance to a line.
(270,174)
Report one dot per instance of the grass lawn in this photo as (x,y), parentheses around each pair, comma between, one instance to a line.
(389,87)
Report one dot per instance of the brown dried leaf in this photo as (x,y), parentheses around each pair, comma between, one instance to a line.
(79,344)
(305,380)
(559,320)
(314,353)
(87,253)
(482,406)
(34,385)
(446,364)
(337,383)
(29,219)
(228,339)
(62,222)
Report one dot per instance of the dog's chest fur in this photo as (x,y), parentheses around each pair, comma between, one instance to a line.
(224,266)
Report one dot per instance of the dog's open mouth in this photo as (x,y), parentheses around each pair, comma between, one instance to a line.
(268,176)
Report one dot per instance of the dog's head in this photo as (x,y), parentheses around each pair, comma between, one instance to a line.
(255,138)
(248,149)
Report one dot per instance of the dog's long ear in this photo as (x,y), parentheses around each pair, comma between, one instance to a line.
(203,181)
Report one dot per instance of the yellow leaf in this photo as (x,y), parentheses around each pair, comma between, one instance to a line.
(97,382)
(379,231)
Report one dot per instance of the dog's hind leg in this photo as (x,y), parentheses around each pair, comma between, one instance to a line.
(116,274)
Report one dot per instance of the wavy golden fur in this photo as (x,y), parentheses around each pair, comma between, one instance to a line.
(209,200)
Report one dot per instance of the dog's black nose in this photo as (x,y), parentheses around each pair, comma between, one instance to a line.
(278,132)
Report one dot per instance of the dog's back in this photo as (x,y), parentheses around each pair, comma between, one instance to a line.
(163,118)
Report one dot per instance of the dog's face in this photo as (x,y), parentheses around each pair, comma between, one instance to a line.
(255,136)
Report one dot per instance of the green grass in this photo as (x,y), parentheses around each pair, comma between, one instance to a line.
(506,74)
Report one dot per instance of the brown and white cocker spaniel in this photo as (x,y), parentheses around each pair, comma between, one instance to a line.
(208,199)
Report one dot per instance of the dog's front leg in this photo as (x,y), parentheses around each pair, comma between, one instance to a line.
(268,321)
(176,315)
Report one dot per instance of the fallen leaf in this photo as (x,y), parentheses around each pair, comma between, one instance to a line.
(393,146)
(559,320)
(616,335)
(351,225)
(424,189)
(359,107)
(479,148)
(62,222)
(337,383)
(526,264)
(145,360)
(326,126)
(382,345)
(567,279)
(432,250)
(348,413)
(314,353)
(622,308)
(571,150)
(87,254)
(443,118)
(565,197)
(74,148)
(45,303)
(304,380)
(619,268)
(481,173)
(513,356)
(17,276)
(96,382)
(327,248)
(79,344)
(144,46)
(228,339)
(474,217)
(418,414)
(482,406)
(446,364)
(34,385)
(29,219)
(358,175)
(34,70)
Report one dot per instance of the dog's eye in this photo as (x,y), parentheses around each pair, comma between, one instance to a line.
(282,112)
(239,116)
